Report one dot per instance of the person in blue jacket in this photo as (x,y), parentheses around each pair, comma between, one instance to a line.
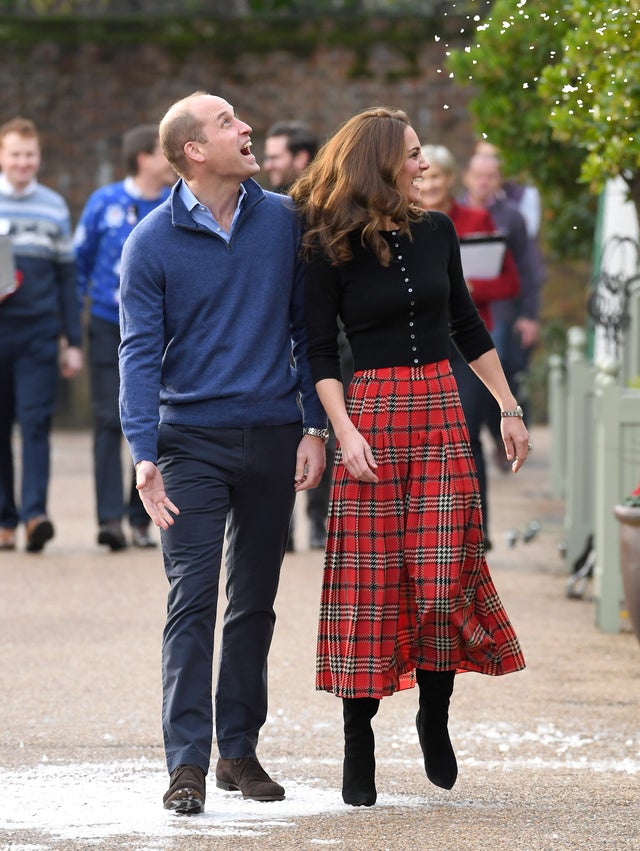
(222,419)
(108,218)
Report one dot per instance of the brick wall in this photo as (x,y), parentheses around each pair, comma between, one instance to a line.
(84,94)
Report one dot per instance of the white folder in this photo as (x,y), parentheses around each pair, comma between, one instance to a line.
(482,254)
(7,268)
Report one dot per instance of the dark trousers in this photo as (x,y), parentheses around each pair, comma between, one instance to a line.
(477,404)
(515,362)
(241,480)
(104,339)
(28,380)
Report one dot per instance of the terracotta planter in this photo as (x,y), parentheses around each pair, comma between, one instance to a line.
(629,519)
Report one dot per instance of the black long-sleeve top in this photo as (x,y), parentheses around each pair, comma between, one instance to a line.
(401,315)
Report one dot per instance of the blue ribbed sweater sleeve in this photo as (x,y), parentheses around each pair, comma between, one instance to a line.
(213,333)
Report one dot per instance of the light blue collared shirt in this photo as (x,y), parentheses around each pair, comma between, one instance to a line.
(203,216)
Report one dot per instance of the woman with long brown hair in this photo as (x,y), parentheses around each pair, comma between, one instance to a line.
(407,594)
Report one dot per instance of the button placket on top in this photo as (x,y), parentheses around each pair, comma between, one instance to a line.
(412,303)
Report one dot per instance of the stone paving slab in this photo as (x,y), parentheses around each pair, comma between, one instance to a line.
(549,758)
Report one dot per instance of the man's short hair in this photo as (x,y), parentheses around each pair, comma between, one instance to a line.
(142,139)
(22,126)
(299,136)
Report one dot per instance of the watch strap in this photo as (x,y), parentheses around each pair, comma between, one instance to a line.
(322,433)
(517,412)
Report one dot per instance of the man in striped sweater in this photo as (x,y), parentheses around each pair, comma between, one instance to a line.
(32,319)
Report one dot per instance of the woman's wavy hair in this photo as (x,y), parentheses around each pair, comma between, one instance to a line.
(351,186)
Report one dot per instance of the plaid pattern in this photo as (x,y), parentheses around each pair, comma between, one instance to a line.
(406,583)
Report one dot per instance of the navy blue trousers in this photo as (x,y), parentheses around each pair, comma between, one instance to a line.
(28,382)
(477,404)
(104,339)
(240,480)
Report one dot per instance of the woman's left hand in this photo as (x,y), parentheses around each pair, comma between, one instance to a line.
(357,456)
(516,441)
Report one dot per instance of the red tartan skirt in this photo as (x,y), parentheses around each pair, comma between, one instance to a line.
(406,584)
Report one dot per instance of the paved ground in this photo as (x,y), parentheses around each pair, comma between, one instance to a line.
(549,758)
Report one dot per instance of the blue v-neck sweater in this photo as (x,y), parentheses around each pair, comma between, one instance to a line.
(208,327)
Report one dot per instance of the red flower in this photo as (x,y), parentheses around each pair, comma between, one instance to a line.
(634,498)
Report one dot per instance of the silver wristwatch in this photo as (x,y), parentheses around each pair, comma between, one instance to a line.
(317,432)
(517,412)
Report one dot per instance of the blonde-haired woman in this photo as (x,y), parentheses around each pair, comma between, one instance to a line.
(407,593)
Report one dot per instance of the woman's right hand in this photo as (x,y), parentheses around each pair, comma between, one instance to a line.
(357,456)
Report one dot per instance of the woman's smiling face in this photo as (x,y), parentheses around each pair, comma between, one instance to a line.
(408,181)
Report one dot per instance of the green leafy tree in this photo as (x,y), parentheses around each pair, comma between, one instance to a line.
(593,93)
(505,61)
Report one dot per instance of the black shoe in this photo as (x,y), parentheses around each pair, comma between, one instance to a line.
(39,531)
(431,722)
(141,538)
(359,766)
(187,791)
(110,535)
(246,775)
(439,758)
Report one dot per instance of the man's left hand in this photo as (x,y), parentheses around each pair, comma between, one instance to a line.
(311,459)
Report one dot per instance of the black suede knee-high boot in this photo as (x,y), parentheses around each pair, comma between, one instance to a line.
(359,768)
(439,759)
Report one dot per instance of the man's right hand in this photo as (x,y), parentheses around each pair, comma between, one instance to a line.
(152,493)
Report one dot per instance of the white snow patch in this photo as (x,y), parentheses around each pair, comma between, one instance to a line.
(90,802)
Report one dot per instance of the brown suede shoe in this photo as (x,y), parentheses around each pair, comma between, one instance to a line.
(246,775)
(187,791)
(39,531)
(7,538)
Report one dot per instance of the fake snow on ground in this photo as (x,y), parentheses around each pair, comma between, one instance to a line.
(91,802)
(94,801)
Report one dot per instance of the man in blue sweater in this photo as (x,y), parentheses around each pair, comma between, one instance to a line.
(108,218)
(32,319)
(224,427)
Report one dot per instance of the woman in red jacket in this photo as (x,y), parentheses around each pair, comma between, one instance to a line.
(436,193)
